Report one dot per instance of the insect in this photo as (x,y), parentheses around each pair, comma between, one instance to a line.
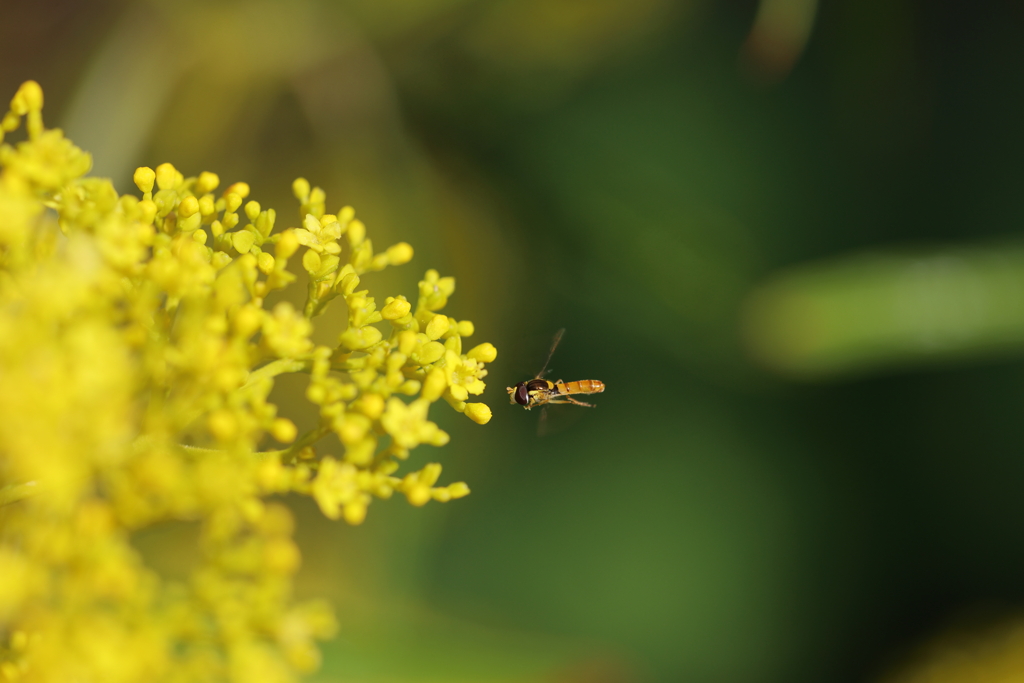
(539,391)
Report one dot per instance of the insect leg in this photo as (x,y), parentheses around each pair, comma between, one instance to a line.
(570,399)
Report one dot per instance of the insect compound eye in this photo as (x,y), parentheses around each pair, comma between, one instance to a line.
(522,395)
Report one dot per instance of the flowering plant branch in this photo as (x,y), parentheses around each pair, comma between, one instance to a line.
(136,360)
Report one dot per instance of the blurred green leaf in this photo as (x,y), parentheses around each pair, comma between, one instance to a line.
(884,310)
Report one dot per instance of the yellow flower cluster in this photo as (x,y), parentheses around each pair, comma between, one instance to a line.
(136,360)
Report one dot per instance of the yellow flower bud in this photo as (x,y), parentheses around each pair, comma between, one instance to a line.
(478,412)
(428,353)
(207,182)
(316,394)
(409,387)
(28,98)
(283,430)
(9,122)
(144,178)
(300,188)
(458,490)
(252,210)
(348,282)
(395,309)
(207,206)
(485,353)
(437,326)
(147,211)
(239,189)
(454,343)
(399,254)
(231,203)
(430,473)
(418,494)
(355,512)
(188,207)
(373,405)
(166,176)
(287,245)
(316,200)
(434,385)
(361,452)
(265,262)
(357,338)
(353,428)
(406,342)
(356,233)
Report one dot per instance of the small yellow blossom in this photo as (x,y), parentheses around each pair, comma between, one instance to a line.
(408,425)
(137,360)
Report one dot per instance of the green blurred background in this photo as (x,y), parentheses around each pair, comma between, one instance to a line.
(786,236)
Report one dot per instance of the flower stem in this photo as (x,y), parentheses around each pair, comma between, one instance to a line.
(12,493)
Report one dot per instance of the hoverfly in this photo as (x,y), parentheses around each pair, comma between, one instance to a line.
(539,391)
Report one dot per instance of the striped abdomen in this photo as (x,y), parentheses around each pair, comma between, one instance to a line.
(584,386)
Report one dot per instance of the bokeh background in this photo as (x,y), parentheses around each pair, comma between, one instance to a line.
(786,236)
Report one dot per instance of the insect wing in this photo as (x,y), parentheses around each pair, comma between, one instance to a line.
(554,345)
(558,418)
